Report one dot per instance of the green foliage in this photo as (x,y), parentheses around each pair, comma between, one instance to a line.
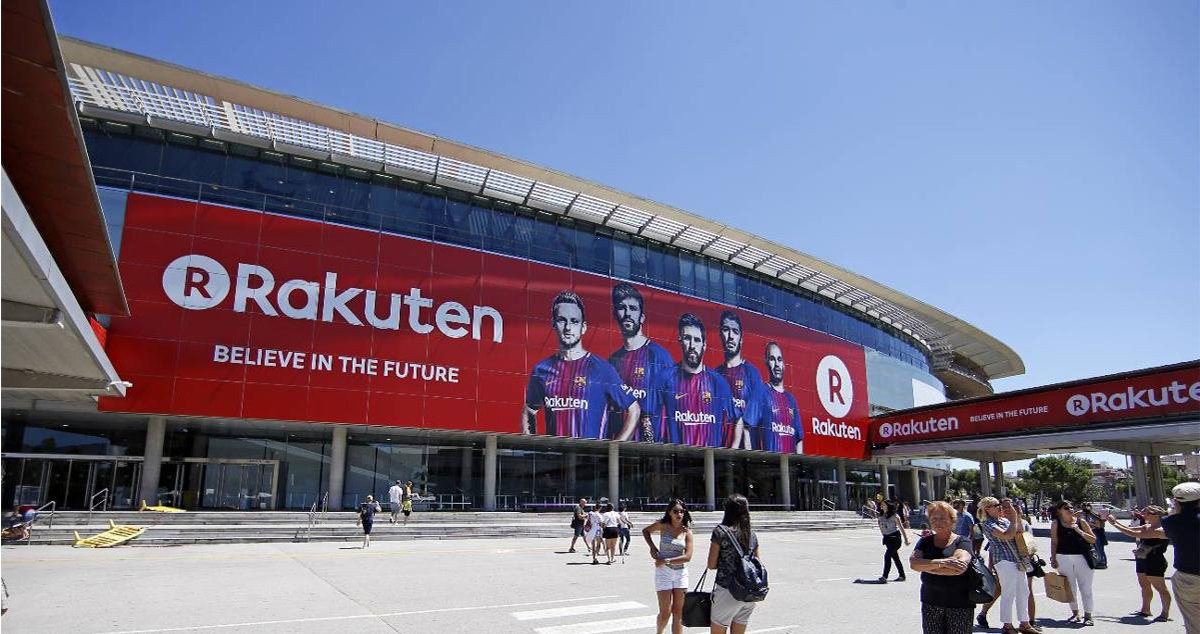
(964,483)
(1059,477)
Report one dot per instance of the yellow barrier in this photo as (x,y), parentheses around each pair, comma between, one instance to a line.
(160,508)
(111,537)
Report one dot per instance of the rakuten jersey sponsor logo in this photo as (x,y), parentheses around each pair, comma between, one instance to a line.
(565,403)
(1130,399)
(198,282)
(695,418)
(917,427)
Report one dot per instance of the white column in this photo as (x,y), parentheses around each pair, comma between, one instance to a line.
(710,480)
(930,492)
(489,474)
(884,482)
(914,486)
(1001,489)
(985,481)
(614,474)
(785,482)
(843,494)
(156,431)
(337,467)
(1141,482)
(1158,492)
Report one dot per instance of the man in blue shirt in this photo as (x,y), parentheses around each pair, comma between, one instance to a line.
(965,525)
(696,402)
(638,361)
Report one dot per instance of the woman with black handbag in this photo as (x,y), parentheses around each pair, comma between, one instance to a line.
(1150,561)
(942,558)
(1001,526)
(671,555)
(1071,553)
(731,540)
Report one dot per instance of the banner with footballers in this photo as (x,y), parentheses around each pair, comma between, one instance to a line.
(242,314)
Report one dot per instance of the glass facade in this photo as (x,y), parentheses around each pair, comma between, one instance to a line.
(143,160)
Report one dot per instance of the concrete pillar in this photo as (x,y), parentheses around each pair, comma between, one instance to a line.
(337,467)
(729,490)
(1157,489)
(710,480)
(489,474)
(614,473)
(843,494)
(1001,489)
(884,482)
(156,432)
(785,482)
(1141,481)
(914,488)
(572,463)
(930,492)
(985,481)
(468,455)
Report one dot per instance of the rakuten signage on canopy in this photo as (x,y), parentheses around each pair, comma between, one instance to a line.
(243,314)
(1166,392)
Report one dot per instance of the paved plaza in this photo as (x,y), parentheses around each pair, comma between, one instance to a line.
(526,586)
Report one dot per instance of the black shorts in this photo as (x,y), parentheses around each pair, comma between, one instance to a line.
(611,532)
(1151,566)
(406,512)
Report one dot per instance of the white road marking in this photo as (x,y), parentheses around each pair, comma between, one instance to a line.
(573,610)
(597,627)
(781,628)
(318,619)
(834,579)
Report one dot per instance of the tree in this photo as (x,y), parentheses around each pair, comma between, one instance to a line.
(965,482)
(1058,477)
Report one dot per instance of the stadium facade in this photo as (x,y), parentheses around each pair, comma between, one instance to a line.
(320,303)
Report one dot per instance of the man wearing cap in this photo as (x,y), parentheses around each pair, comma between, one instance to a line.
(1182,528)
(395,495)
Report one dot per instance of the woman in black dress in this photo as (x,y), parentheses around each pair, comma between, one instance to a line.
(1150,561)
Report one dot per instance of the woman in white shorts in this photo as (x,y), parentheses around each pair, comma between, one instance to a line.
(670,557)
(592,531)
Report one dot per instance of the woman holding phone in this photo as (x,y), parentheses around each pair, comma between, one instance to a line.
(1150,561)
(1071,539)
(671,555)
(1001,526)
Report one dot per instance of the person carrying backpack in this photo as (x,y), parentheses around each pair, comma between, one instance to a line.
(741,578)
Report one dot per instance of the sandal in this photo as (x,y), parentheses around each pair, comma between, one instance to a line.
(1087,620)
(1144,615)
(1161,618)
(1074,618)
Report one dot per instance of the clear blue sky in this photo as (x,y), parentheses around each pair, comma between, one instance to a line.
(1032,168)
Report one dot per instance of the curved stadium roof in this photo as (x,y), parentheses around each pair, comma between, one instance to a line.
(113,84)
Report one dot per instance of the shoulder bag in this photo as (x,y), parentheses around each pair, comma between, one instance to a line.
(981,582)
(697,606)
(748,583)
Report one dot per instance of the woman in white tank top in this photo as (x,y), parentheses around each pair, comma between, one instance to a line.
(671,555)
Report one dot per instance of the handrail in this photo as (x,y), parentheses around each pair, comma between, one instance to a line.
(324,507)
(53,506)
(92,502)
(312,515)
(828,505)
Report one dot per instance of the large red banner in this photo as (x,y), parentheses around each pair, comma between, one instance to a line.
(244,314)
(1166,392)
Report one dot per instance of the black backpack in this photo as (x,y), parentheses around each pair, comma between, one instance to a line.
(748,583)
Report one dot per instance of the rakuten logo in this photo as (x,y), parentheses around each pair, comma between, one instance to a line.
(836,430)
(786,430)
(198,282)
(918,427)
(565,402)
(694,418)
(834,386)
(1176,393)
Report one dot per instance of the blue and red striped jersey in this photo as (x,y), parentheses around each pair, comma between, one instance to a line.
(781,428)
(746,384)
(639,369)
(575,395)
(697,408)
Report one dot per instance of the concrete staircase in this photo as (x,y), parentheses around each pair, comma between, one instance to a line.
(228,527)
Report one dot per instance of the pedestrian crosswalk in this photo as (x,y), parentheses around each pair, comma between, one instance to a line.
(604,619)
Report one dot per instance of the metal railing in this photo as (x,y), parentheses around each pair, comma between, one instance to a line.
(207,115)
(53,506)
(102,494)
(828,505)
